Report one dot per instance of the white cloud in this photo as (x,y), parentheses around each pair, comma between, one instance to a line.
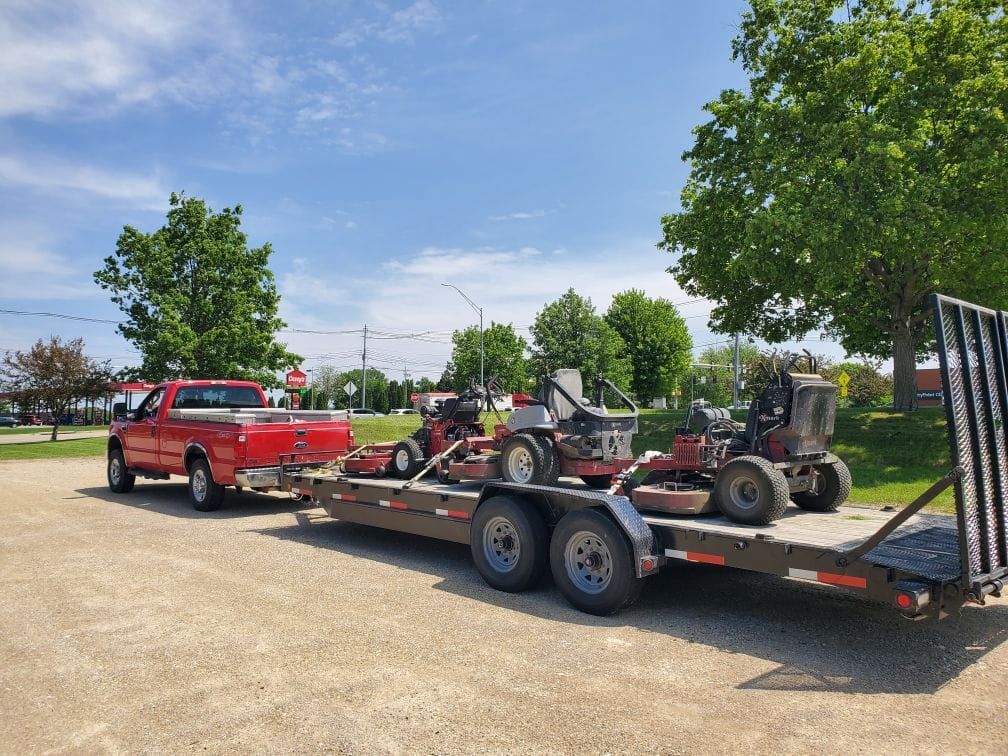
(49,176)
(526,215)
(31,270)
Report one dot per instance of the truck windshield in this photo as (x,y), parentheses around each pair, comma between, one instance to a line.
(217,397)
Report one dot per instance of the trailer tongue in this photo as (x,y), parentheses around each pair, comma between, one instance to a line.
(599,546)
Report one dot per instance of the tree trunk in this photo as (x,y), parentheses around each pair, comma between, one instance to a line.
(904,370)
(54,429)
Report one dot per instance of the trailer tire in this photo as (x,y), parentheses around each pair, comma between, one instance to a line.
(119,478)
(204,492)
(524,459)
(593,563)
(407,459)
(597,481)
(509,543)
(836,488)
(750,490)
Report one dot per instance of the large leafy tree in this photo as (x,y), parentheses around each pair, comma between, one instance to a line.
(568,333)
(504,352)
(199,302)
(657,340)
(55,373)
(865,167)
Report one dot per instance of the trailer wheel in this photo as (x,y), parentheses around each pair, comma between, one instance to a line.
(750,490)
(593,564)
(407,458)
(508,541)
(206,494)
(119,479)
(525,460)
(834,484)
(597,481)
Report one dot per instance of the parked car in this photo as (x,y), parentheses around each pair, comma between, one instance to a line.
(29,420)
(404,411)
(6,421)
(365,412)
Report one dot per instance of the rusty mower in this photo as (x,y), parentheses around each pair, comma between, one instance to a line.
(749,471)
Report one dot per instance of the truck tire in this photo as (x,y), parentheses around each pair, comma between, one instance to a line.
(119,478)
(597,481)
(407,459)
(750,490)
(836,487)
(524,459)
(508,541)
(206,494)
(593,563)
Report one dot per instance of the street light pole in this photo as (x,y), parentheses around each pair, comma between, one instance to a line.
(478,309)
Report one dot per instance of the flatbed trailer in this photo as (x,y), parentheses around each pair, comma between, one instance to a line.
(599,548)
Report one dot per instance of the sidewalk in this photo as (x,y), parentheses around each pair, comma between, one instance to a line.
(43,436)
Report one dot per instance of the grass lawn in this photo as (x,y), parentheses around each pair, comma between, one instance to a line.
(892,457)
(79,447)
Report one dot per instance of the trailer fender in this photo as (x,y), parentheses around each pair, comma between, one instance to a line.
(554,503)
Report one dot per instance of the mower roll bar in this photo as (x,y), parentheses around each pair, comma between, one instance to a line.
(597,412)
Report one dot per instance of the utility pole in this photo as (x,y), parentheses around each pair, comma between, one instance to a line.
(405,386)
(311,389)
(363,400)
(736,381)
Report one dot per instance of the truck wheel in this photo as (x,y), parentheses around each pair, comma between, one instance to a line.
(593,564)
(119,479)
(750,490)
(597,481)
(525,460)
(206,495)
(407,458)
(834,488)
(508,542)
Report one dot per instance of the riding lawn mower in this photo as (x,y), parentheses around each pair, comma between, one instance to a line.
(749,471)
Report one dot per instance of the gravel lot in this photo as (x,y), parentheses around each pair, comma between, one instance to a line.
(134,623)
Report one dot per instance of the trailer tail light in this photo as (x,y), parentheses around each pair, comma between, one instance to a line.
(648,565)
(911,597)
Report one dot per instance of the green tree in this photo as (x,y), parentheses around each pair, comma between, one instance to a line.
(868,386)
(864,168)
(199,302)
(377,390)
(657,341)
(55,373)
(504,352)
(425,385)
(568,333)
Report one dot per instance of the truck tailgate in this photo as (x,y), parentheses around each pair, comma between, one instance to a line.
(265,443)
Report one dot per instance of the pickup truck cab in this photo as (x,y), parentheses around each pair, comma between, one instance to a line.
(218,434)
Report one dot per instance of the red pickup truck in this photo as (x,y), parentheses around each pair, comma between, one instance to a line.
(217,433)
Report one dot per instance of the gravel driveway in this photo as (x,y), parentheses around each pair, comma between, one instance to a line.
(133,622)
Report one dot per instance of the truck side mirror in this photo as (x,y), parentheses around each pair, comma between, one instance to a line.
(119,410)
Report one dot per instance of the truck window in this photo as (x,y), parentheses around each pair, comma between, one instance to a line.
(217,397)
(149,406)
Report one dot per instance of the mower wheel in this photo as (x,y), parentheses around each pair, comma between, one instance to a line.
(552,463)
(597,481)
(525,460)
(407,458)
(750,490)
(834,488)
(509,543)
(593,563)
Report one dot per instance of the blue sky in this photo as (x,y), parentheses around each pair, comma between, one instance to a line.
(513,149)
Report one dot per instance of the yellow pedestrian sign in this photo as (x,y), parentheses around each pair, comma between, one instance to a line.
(843,379)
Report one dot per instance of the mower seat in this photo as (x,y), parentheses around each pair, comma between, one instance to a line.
(751,425)
(557,403)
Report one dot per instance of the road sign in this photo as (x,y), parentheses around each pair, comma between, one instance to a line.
(414,397)
(842,380)
(296,379)
(350,388)
(843,390)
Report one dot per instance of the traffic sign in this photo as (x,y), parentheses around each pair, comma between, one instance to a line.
(843,390)
(350,388)
(842,380)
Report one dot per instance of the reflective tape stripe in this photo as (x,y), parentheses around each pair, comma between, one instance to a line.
(344,497)
(392,504)
(453,513)
(695,556)
(831,578)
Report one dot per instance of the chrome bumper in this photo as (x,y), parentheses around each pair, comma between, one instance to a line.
(258,477)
